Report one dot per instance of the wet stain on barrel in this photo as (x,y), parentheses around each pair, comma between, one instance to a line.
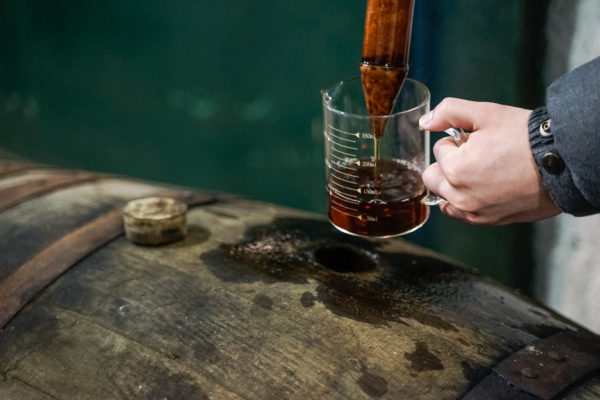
(373,385)
(357,305)
(307,299)
(382,287)
(290,249)
(263,301)
(295,250)
(423,360)
(176,386)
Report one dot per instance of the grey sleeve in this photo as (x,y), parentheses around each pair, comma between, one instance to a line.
(565,140)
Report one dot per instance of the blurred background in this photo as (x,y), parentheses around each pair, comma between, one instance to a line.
(226,95)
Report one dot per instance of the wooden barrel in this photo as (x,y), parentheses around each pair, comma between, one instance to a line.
(257,302)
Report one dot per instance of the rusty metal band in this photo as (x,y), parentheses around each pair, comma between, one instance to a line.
(29,279)
(13,167)
(542,370)
(20,192)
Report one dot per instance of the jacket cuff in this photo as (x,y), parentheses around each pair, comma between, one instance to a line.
(555,174)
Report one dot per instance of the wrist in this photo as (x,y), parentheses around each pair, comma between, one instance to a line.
(555,174)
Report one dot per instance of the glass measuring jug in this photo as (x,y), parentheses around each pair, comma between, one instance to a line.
(369,195)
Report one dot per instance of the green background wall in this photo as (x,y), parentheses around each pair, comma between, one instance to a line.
(226,95)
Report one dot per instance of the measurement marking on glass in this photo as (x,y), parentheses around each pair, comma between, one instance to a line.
(366,163)
(335,166)
(342,205)
(334,156)
(345,213)
(341,138)
(345,173)
(345,187)
(344,196)
(344,132)
(341,152)
(342,145)
(342,179)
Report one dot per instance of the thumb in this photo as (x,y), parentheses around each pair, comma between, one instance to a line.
(452,112)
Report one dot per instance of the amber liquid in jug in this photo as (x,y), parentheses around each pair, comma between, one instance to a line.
(393,201)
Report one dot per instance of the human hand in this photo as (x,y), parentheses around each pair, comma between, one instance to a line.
(492,178)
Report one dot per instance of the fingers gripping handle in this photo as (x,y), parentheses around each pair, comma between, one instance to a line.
(457,134)
(459,137)
(433,200)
